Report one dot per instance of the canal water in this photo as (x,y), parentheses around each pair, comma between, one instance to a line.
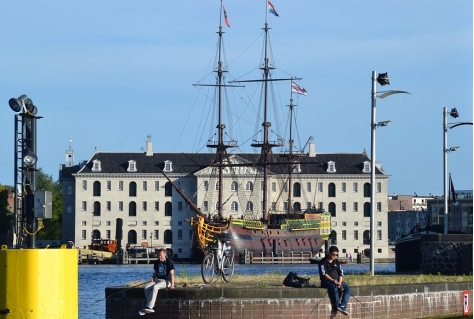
(93,279)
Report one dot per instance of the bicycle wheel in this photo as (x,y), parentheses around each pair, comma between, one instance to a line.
(207,268)
(228,266)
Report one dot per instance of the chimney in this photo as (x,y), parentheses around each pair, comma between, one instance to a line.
(312,149)
(149,148)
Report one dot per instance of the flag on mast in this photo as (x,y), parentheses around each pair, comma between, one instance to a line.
(453,193)
(225,17)
(272,9)
(297,89)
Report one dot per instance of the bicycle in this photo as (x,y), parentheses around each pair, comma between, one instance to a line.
(218,261)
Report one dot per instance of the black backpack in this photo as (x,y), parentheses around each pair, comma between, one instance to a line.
(292,280)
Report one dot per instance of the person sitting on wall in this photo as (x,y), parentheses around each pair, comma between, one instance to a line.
(331,274)
(163,277)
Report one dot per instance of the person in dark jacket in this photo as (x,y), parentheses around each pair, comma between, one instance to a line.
(331,275)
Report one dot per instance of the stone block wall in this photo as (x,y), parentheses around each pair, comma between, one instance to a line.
(394,301)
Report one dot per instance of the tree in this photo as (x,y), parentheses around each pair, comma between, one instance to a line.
(6,216)
(52,227)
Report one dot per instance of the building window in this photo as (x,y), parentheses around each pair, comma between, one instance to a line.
(354,188)
(355,206)
(366,168)
(356,223)
(274,206)
(132,189)
(308,187)
(180,234)
(84,206)
(297,168)
(343,187)
(84,185)
(168,209)
(144,186)
(83,234)
(217,186)
(320,205)
(234,186)
(108,206)
(120,185)
(331,190)
(331,167)
(143,233)
(379,224)
(249,207)
(379,187)
(96,188)
(168,189)
(308,205)
(343,224)
(96,166)
(144,223)
(343,206)
(107,223)
(157,223)
(379,235)
(168,166)
(205,185)
(83,223)
(120,208)
(132,209)
(366,209)
(156,234)
(108,185)
(249,186)
(274,187)
(132,166)
(157,206)
(144,206)
(107,234)
(205,206)
(180,206)
(356,235)
(343,235)
(157,186)
(234,207)
(379,206)
(320,187)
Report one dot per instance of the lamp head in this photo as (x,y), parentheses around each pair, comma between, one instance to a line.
(453,149)
(454,113)
(382,79)
(24,103)
(29,158)
(384,123)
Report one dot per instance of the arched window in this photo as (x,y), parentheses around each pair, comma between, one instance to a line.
(132,209)
(332,209)
(168,209)
(132,237)
(95,234)
(234,207)
(296,207)
(96,189)
(367,190)
(249,207)
(168,237)
(296,190)
(168,189)
(332,240)
(331,190)
(366,237)
(132,189)
(249,186)
(234,186)
(96,208)
(366,209)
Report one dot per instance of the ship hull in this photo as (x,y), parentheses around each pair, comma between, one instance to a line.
(276,241)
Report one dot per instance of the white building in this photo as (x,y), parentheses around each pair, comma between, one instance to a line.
(131,186)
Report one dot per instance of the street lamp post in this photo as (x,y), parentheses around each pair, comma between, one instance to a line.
(382,79)
(454,114)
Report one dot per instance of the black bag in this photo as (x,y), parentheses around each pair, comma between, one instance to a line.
(292,280)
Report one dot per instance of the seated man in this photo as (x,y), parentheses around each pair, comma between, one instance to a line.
(163,277)
(330,273)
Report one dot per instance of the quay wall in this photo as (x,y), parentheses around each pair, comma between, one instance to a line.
(278,302)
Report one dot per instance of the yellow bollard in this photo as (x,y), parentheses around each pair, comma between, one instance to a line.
(38,283)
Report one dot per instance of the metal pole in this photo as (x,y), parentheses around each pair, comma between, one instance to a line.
(372,173)
(445,167)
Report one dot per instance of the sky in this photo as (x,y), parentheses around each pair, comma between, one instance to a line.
(106,74)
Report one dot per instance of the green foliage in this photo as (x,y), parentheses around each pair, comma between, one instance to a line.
(6,217)
(52,227)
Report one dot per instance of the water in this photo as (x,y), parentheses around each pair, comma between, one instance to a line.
(93,279)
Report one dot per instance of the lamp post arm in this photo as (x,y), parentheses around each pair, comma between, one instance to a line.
(459,124)
(391,92)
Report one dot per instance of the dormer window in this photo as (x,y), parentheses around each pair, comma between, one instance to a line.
(366,168)
(331,167)
(168,166)
(297,168)
(132,166)
(96,166)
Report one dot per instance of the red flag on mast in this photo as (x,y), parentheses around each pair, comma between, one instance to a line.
(225,17)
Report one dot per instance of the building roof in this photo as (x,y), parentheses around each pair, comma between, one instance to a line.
(186,163)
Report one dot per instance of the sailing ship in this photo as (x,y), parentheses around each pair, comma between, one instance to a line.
(275,231)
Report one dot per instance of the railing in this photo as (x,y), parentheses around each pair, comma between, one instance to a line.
(301,257)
